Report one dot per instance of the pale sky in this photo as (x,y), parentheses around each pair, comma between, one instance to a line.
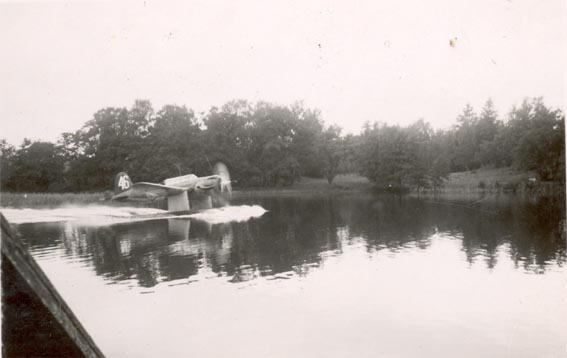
(357,61)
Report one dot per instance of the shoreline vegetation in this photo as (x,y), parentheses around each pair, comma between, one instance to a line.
(470,184)
(275,148)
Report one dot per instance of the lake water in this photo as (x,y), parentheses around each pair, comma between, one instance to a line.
(296,276)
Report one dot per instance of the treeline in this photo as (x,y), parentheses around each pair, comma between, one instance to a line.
(263,145)
(531,138)
(269,145)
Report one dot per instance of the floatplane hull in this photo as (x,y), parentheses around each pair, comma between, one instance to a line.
(176,190)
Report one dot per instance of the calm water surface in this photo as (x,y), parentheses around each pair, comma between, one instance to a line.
(319,276)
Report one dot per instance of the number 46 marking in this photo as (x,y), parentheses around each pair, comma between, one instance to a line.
(123,183)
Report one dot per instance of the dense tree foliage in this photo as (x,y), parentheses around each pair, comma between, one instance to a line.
(269,145)
(35,166)
(263,144)
(531,138)
(398,157)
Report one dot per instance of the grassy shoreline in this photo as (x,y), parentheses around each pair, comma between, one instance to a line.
(464,184)
(342,184)
(496,182)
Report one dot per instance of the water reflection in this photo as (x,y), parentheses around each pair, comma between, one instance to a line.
(297,234)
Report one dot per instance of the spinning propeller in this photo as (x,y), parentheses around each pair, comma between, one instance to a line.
(226,184)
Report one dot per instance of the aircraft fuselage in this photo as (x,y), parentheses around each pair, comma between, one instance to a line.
(192,182)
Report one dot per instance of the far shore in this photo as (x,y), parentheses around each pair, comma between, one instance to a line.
(472,183)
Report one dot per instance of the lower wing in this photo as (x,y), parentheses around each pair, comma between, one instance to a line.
(148,192)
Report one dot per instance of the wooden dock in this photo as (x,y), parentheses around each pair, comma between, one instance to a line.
(36,321)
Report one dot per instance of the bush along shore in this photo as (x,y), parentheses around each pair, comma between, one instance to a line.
(497,181)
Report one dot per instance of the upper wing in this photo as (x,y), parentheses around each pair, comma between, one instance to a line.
(156,190)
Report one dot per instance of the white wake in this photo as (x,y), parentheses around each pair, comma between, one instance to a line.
(107,215)
(87,214)
(229,214)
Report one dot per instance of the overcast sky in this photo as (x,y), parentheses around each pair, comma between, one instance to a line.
(388,61)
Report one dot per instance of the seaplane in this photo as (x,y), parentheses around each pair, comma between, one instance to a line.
(177,190)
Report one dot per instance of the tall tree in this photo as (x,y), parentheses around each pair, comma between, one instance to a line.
(7,153)
(308,128)
(272,137)
(174,145)
(36,167)
(541,144)
(465,140)
(111,142)
(331,151)
(487,128)
(228,138)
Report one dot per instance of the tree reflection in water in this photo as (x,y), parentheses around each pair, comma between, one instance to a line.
(298,233)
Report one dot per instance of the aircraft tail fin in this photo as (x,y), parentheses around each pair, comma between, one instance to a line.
(122,182)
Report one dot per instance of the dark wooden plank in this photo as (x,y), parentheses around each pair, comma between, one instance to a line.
(14,251)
